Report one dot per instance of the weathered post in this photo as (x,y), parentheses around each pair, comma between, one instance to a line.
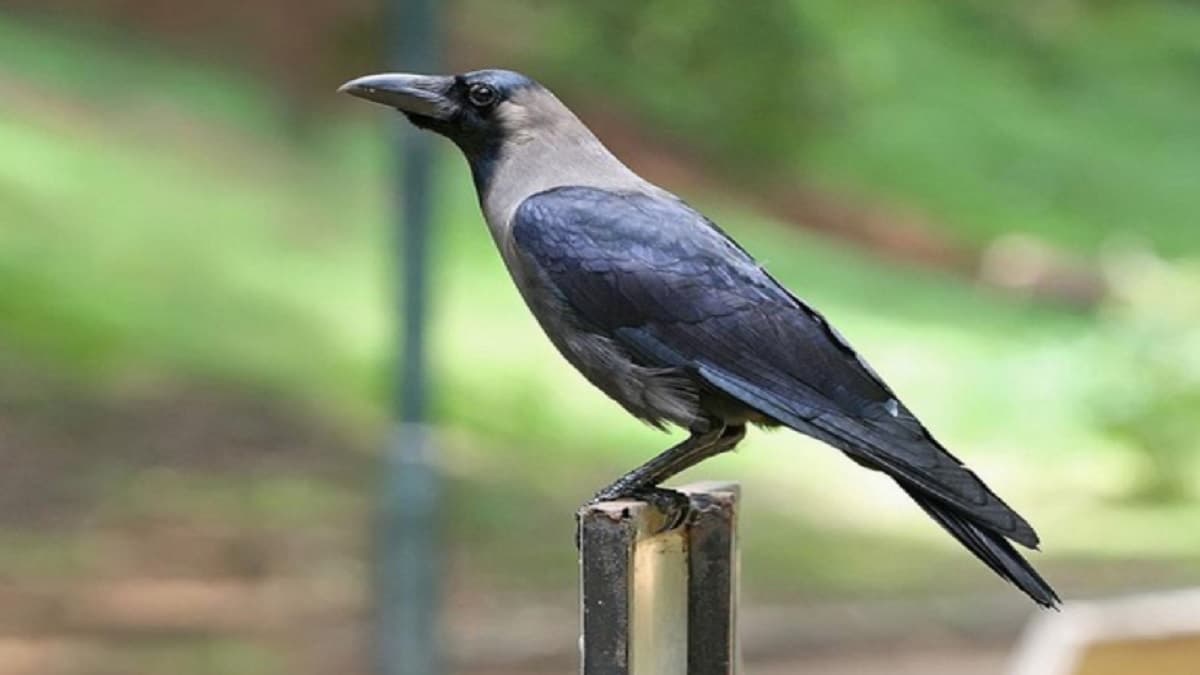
(660,603)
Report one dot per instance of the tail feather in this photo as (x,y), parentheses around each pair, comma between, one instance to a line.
(920,462)
(949,492)
(993,549)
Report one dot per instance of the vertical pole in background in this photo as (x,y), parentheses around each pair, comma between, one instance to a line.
(407,586)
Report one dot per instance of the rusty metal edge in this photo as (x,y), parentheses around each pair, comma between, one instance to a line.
(713,579)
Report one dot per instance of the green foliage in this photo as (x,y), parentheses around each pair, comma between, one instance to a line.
(1153,401)
(122,259)
(742,81)
(1068,120)
(63,57)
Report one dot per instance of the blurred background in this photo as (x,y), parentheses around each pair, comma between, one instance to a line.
(995,201)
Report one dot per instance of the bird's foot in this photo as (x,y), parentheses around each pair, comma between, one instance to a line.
(675,506)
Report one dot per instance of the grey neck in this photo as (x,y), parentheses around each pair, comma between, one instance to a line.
(566,153)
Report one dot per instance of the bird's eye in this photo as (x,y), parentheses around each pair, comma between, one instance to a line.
(482,95)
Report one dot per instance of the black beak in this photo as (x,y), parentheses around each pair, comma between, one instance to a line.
(423,95)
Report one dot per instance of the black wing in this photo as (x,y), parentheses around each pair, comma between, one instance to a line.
(668,285)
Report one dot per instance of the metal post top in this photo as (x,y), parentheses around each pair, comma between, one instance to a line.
(707,497)
(655,601)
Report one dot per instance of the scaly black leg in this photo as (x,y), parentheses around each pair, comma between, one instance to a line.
(642,482)
(668,463)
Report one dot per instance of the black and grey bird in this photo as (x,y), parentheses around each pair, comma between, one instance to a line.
(672,319)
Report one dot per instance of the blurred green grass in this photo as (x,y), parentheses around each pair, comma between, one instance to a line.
(167,233)
(1072,123)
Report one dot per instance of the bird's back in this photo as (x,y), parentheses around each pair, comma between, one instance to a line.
(670,291)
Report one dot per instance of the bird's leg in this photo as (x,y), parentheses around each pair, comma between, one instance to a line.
(693,450)
(642,482)
(664,465)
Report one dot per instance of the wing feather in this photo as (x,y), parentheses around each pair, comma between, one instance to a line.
(674,290)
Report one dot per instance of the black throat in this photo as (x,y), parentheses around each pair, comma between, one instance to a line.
(483,155)
(480,139)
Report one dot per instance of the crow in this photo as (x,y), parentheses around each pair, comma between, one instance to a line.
(666,314)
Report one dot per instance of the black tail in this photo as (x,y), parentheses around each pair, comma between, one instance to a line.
(949,492)
(993,549)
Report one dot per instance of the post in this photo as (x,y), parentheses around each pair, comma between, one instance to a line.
(407,547)
(660,603)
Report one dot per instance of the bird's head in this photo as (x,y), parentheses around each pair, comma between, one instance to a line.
(479,111)
(511,129)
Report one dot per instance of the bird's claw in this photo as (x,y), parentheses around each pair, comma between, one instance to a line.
(676,507)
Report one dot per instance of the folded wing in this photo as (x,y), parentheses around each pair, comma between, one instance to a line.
(669,286)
